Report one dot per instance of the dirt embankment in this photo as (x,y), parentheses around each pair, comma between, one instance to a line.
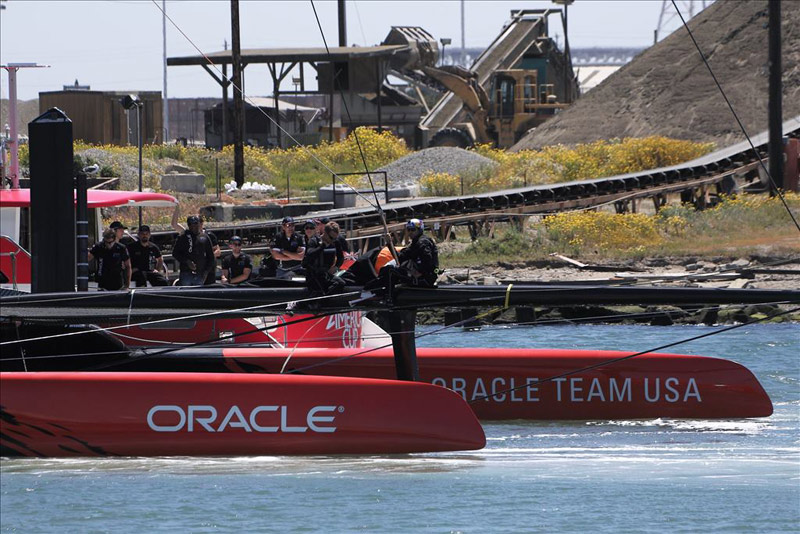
(667,90)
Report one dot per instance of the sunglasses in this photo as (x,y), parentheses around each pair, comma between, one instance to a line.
(236,244)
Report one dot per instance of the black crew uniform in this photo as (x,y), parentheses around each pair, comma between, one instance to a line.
(421,257)
(211,277)
(144,258)
(109,265)
(236,266)
(289,244)
(317,262)
(196,248)
(344,244)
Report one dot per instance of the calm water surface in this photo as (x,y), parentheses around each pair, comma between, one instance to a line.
(602,476)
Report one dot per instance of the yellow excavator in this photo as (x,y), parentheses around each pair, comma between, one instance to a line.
(517,83)
(515,103)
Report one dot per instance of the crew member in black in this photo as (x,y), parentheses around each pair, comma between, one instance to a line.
(146,261)
(322,260)
(211,277)
(194,253)
(309,230)
(342,240)
(236,266)
(120,231)
(113,263)
(420,258)
(288,248)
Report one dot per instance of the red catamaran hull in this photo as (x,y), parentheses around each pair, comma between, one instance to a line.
(158,414)
(647,386)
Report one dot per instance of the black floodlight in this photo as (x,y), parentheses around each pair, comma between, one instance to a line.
(130,101)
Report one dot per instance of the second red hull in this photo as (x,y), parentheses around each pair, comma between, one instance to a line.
(501,383)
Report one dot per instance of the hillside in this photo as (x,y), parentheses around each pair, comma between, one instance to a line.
(667,90)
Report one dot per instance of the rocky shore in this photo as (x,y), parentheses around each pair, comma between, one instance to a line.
(763,272)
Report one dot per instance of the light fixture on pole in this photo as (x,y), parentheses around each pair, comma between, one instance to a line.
(130,102)
(445,41)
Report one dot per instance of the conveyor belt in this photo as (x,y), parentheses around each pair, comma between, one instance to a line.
(547,198)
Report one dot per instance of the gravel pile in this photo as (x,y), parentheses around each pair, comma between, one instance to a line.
(127,167)
(666,90)
(406,171)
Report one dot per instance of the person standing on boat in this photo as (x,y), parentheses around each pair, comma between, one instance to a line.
(146,261)
(310,230)
(345,246)
(194,253)
(113,263)
(211,277)
(236,266)
(121,233)
(322,260)
(421,257)
(288,248)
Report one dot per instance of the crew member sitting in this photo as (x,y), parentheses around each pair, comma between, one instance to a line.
(194,253)
(322,260)
(146,261)
(420,258)
(236,266)
(113,263)
(288,248)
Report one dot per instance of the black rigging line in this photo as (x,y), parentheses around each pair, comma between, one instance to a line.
(438,331)
(265,114)
(212,341)
(735,116)
(378,207)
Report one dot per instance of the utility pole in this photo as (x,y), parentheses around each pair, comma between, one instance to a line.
(12,143)
(238,134)
(225,84)
(342,22)
(165,102)
(775,96)
(463,38)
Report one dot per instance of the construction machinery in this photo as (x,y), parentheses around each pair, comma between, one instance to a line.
(520,80)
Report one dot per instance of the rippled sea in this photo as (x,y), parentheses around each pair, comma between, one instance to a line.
(600,476)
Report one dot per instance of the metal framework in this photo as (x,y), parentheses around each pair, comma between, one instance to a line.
(281,61)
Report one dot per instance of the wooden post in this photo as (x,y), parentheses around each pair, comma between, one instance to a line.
(775,104)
